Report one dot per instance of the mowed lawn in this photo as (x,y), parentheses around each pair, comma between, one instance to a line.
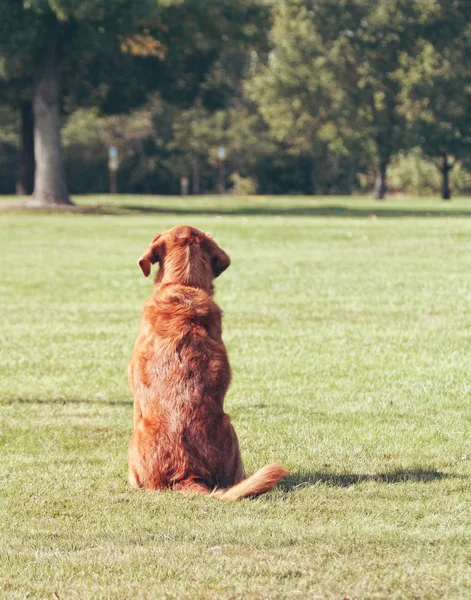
(348,327)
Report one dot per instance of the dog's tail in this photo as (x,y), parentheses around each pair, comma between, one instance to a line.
(260,482)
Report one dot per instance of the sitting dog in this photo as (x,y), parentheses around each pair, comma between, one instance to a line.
(179,375)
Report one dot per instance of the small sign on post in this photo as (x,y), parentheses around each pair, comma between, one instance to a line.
(113,166)
(222,175)
(184,186)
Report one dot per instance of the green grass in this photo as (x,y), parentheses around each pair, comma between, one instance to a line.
(350,342)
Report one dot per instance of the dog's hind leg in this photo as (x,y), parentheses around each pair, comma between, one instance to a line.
(192,486)
(144,465)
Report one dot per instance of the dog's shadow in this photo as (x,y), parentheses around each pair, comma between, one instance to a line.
(311,478)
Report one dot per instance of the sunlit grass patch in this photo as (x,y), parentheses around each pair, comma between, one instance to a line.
(349,339)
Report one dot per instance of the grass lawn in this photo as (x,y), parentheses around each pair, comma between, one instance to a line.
(350,342)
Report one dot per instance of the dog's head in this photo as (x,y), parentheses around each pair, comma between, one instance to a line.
(185,255)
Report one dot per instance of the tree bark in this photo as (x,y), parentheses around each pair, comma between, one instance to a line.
(445,169)
(25,179)
(49,181)
(380,186)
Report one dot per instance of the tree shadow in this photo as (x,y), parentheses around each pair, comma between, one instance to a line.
(226,209)
(418,475)
(299,211)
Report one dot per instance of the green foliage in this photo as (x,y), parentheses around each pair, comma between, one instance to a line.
(159,143)
(329,85)
(412,173)
(436,83)
(245,186)
(306,95)
(191,52)
(112,58)
(8,149)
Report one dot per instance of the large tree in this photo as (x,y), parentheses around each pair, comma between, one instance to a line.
(85,54)
(330,85)
(20,102)
(16,84)
(436,85)
(42,37)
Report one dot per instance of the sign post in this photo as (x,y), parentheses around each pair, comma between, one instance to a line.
(222,174)
(184,186)
(113,165)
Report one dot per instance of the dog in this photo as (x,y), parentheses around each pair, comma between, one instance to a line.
(179,374)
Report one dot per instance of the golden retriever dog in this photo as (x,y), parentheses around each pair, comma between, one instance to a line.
(179,374)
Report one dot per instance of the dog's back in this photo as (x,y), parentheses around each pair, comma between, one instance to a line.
(180,373)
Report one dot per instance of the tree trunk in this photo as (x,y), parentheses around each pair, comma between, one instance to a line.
(380,182)
(445,169)
(25,179)
(196,175)
(49,180)
(308,169)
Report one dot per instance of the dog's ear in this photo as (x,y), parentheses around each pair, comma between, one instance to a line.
(219,259)
(151,255)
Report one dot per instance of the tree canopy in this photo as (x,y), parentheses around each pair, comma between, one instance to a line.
(319,96)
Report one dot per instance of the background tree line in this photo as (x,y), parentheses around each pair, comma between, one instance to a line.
(307,96)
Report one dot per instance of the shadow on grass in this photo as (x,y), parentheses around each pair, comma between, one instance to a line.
(334,210)
(99,400)
(300,211)
(299,480)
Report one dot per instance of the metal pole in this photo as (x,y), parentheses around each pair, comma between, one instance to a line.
(113,165)
(113,181)
(222,177)
(221,154)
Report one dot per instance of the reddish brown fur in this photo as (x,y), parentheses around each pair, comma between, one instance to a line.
(180,373)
